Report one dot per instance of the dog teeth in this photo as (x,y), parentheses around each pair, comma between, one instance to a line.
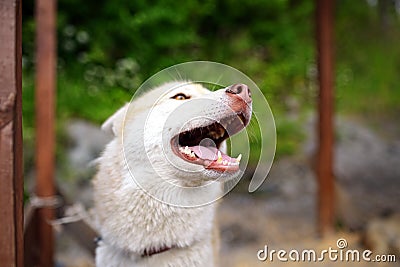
(229,163)
(219,160)
(187,151)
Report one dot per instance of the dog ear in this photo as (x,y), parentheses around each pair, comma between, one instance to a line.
(114,123)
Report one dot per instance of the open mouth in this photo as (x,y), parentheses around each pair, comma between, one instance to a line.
(201,145)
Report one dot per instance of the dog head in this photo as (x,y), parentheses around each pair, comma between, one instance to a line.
(178,131)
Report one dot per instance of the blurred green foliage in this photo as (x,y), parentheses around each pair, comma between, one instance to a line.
(368,59)
(106,49)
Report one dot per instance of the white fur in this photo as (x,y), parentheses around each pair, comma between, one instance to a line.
(165,202)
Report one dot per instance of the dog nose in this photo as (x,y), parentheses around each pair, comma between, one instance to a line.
(241,90)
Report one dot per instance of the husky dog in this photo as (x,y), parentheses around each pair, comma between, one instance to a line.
(158,177)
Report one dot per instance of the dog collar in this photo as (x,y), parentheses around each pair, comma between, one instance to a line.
(152,251)
(147,252)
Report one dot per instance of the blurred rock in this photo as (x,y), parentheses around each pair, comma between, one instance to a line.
(367,179)
(236,234)
(382,235)
(367,170)
(283,210)
(290,178)
(88,141)
(70,254)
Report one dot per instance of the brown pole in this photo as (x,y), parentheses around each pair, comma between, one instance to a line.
(45,133)
(11,180)
(324,168)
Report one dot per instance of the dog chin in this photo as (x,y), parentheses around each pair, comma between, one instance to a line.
(213,175)
(204,176)
(199,174)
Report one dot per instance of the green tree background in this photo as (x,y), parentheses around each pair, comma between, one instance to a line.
(106,49)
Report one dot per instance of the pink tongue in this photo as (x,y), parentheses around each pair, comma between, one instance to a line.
(209,153)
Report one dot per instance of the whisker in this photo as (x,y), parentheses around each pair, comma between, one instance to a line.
(217,82)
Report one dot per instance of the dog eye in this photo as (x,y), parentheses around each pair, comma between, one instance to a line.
(180,96)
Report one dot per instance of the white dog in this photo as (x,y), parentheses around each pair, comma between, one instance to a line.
(158,179)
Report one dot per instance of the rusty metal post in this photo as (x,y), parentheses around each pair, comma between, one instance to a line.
(324,168)
(45,84)
(11,180)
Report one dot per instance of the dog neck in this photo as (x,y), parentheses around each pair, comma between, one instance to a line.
(151,220)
